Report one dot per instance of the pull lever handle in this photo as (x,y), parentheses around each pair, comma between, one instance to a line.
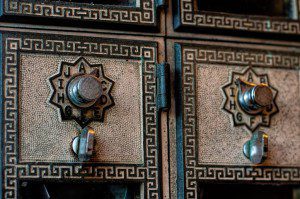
(256,149)
(83,145)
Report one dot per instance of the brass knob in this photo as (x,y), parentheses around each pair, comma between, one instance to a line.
(254,98)
(84,90)
(256,149)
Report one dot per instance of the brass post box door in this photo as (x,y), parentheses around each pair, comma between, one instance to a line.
(58,126)
(172,99)
(112,14)
(218,135)
(270,17)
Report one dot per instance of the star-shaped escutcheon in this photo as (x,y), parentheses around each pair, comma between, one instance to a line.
(81,92)
(250,99)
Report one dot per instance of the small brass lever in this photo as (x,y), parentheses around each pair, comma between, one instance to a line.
(256,149)
(83,145)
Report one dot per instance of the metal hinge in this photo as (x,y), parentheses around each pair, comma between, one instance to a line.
(163,86)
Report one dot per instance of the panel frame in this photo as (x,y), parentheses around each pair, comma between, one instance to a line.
(188,173)
(187,19)
(13,44)
(144,15)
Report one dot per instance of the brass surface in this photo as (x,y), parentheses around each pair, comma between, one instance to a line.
(220,143)
(43,137)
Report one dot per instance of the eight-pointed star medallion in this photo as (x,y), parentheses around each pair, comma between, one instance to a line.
(232,106)
(60,99)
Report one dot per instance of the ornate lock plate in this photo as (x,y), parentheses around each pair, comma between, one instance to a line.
(232,106)
(60,96)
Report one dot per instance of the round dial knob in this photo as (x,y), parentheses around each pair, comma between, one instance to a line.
(261,95)
(84,90)
(254,98)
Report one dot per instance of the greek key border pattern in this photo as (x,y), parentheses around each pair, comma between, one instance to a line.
(145,14)
(13,45)
(189,17)
(193,55)
(240,56)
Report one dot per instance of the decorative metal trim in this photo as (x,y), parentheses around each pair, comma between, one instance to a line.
(187,58)
(144,15)
(232,113)
(82,120)
(189,18)
(13,170)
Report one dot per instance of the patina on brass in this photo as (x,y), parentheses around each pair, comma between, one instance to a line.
(85,90)
(254,99)
(256,149)
(250,99)
(83,145)
(81,92)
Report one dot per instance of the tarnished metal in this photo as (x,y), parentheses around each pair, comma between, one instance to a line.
(81,92)
(127,139)
(133,13)
(219,85)
(254,98)
(276,17)
(84,90)
(256,149)
(83,145)
(250,99)
(207,131)
(163,86)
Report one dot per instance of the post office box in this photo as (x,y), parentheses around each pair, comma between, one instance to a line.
(222,133)
(235,17)
(114,14)
(81,109)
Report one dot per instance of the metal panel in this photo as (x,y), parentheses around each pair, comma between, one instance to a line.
(113,16)
(208,146)
(188,17)
(37,143)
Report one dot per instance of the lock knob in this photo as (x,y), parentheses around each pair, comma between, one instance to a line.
(254,98)
(84,90)
(256,149)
